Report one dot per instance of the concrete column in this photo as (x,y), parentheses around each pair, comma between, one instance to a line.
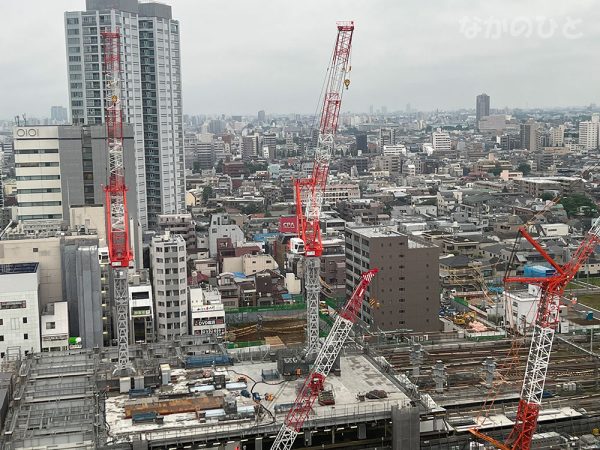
(439,376)
(489,368)
(258,443)
(307,438)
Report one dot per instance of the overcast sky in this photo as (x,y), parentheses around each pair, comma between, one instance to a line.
(239,56)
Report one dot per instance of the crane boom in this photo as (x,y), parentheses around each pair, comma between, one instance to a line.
(551,289)
(326,357)
(117,217)
(312,190)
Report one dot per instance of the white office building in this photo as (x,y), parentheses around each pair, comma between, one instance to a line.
(207,311)
(151,94)
(55,327)
(168,261)
(19,309)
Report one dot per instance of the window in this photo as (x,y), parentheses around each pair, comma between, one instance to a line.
(1,338)
(24,319)
(25,336)
(1,321)
(50,325)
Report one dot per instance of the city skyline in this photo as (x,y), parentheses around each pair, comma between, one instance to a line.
(402,54)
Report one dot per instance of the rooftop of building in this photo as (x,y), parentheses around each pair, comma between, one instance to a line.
(358,375)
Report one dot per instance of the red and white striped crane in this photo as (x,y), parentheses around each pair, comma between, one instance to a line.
(546,321)
(315,381)
(312,190)
(117,217)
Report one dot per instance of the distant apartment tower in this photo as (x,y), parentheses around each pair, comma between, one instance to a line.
(482,107)
(530,131)
(441,141)
(387,136)
(361,142)
(250,147)
(261,116)
(588,133)
(151,92)
(407,285)
(557,136)
(270,142)
(169,275)
(58,167)
(58,114)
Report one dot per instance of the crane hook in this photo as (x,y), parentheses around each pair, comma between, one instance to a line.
(346,83)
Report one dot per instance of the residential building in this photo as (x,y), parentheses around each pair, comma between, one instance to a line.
(588,134)
(20,306)
(557,136)
(250,147)
(269,141)
(182,224)
(482,107)
(151,94)
(207,313)
(441,141)
(168,261)
(536,186)
(529,135)
(406,289)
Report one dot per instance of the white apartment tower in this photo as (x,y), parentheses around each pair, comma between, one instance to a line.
(441,141)
(168,261)
(557,136)
(151,92)
(588,133)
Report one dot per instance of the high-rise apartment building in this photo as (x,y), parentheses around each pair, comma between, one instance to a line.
(168,261)
(270,142)
(482,107)
(530,132)
(406,288)
(262,116)
(58,167)
(250,147)
(557,136)
(588,133)
(150,95)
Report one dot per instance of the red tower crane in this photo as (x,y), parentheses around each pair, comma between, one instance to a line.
(312,190)
(314,383)
(551,289)
(117,217)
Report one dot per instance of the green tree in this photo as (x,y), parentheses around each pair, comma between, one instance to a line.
(525,168)
(576,204)
(547,196)
(496,170)
(207,192)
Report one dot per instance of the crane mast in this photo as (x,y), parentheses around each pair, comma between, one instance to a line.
(312,189)
(551,289)
(117,217)
(326,357)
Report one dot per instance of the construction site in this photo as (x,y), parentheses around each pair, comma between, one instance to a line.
(314,377)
